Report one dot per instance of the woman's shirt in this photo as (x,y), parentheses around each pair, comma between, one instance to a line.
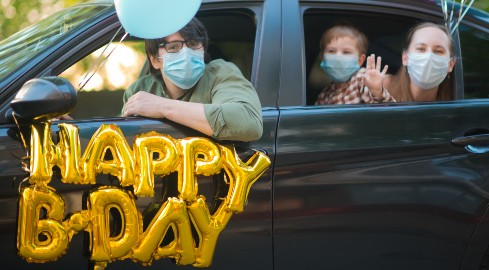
(231,104)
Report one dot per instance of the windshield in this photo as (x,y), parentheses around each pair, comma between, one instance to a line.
(25,44)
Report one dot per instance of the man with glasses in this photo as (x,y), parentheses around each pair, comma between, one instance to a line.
(211,97)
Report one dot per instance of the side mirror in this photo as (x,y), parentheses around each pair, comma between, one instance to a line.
(42,99)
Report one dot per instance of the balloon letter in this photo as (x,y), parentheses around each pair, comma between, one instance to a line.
(173,212)
(68,152)
(42,154)
(242,175)
(41,240)
(200,156)
(109,137)
(167,161)
(103,246)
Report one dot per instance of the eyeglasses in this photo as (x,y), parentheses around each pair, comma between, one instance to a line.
(177,45)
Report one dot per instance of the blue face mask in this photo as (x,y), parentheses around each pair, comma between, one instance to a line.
(184,68)
(339,68)
(427,70)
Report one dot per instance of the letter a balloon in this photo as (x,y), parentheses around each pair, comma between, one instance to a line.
(151,19)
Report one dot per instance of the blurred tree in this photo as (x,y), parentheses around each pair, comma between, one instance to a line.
(18,14)
(482,4)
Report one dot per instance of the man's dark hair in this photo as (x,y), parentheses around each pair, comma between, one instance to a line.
(193,30)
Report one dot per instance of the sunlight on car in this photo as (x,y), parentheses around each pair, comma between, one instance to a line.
(117,71)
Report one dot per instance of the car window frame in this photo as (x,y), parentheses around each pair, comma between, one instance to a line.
(471,21)
(293,98)
(75,48)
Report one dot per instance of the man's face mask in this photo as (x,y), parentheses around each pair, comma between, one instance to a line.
(339,68)
(184,68)
(427,70)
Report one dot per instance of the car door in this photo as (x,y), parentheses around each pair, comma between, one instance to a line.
(375,186)
(249,234)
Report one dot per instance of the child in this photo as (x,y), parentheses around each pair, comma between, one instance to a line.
(343,51)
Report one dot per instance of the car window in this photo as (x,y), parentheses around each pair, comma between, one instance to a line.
(385,40)
(231,37)
(474,60)
(101,96)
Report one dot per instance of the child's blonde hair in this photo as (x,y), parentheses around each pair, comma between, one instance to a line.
(344,30)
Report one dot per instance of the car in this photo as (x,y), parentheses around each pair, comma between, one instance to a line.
(372,186)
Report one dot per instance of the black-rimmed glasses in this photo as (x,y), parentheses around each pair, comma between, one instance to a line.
(176,45)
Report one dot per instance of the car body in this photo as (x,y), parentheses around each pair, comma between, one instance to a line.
(374,186)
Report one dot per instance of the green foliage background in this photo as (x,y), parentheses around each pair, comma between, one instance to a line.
(17,14)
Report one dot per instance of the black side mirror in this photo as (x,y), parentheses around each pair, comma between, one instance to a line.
(42,99)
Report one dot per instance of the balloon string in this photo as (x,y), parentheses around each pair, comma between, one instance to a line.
(462,2)
(21,183)
(25,165)
(20,131)
(84,80)
(463,15)
(87,78)
(451,14)
(444,10)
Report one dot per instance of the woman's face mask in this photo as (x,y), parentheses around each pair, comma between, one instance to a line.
(340,68)
(427,70)
(184,68)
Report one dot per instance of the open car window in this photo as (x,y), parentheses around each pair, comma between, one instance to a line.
(386,34)
(101,96)
(231,37)
(385,40)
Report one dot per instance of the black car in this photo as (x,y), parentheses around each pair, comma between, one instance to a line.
(369,186)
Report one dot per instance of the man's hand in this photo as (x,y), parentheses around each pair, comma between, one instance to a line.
(145,104)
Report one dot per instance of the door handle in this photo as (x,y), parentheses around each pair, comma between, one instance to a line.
(473,140)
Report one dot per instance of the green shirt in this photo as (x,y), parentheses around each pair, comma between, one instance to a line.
(231,104)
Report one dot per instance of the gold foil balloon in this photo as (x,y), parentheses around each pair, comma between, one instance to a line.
(102,246)
(242,175)
(209,227)
(41,240)
(173,214)
(68,154)
(109,137)
(42,153)
(145,147)
(200,156)
(45,237)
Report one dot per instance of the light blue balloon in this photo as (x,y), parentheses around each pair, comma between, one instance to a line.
(152,19)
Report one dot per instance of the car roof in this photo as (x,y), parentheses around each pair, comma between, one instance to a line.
(433,5)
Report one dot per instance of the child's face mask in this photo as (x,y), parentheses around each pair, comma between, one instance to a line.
(339,68)
(184,68)
(427,70)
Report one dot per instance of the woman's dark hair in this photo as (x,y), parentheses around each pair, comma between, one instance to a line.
(193,30)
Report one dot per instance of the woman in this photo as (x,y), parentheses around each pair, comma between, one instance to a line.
(426,66)
(211,97)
